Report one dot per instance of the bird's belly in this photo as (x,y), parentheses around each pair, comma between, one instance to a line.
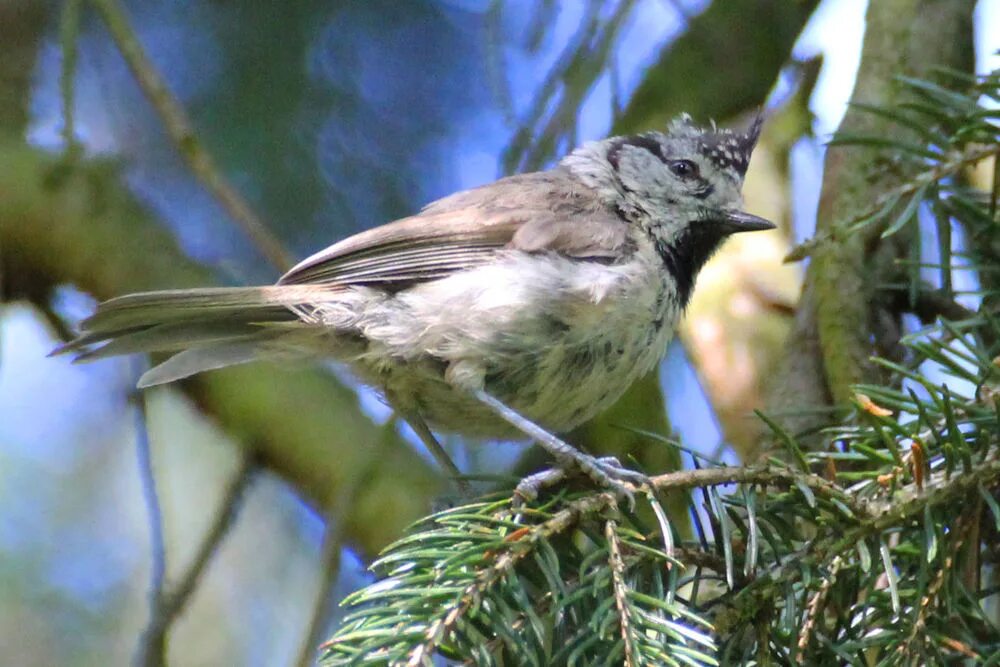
(558,388)
(555,353)
(573,383)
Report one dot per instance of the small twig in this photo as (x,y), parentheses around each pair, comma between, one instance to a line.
(181,131)
(517,550)
(908,502)
(439,453)
(617,566)
(330,560)
(815,608)
(515,152)
(171,602)
(968,156)
(69,36)
(494,61)
(704,477)
(332,550)
(153,654)
(582,73)
(932,303)
(917,635)
(574,73)
(232,501)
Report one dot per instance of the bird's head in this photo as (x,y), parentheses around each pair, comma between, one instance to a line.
(681,186)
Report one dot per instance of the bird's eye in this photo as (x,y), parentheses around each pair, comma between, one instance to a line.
(684,168)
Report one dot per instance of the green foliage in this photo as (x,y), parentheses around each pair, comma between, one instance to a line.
(567,583)
(880,550)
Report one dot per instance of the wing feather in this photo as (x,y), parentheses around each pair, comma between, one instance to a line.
(536,213)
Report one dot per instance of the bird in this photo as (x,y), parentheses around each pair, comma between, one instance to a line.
(515,310)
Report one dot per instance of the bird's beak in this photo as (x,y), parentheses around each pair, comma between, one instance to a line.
(733,222)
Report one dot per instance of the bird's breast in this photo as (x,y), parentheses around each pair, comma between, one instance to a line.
(587,370)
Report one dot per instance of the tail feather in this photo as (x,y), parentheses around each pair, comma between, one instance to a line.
(170,337)
(151,308)
(200,359)
(212,327)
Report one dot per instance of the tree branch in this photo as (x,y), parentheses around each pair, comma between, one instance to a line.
(22,23)
(908,503)
(331,553)
(768,475)
(181,131)
(69,37)
(168,603)
(152,648)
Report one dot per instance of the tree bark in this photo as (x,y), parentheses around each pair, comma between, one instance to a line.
(841,312)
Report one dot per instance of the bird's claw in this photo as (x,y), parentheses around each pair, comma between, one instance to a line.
(616,469)
(606,472)
(620,480)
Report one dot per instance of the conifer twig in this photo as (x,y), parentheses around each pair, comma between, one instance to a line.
(705,477)
(502,565)
(617,567)
(69,35)
(815,608)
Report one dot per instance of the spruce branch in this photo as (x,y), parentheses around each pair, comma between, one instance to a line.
(953,163)
(814,609)
(929,599)
(777,475)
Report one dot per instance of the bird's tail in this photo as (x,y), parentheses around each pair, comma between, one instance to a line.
(209,327)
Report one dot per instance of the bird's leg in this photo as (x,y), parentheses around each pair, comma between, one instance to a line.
(419,426)
(606,472)
(426,436)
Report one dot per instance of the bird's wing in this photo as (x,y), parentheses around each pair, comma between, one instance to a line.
(532,213)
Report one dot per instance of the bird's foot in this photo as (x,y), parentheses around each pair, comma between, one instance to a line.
(607,472)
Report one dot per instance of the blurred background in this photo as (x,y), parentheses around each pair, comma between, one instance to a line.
(328,118)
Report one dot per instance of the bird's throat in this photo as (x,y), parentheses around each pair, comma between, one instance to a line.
(684,254)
